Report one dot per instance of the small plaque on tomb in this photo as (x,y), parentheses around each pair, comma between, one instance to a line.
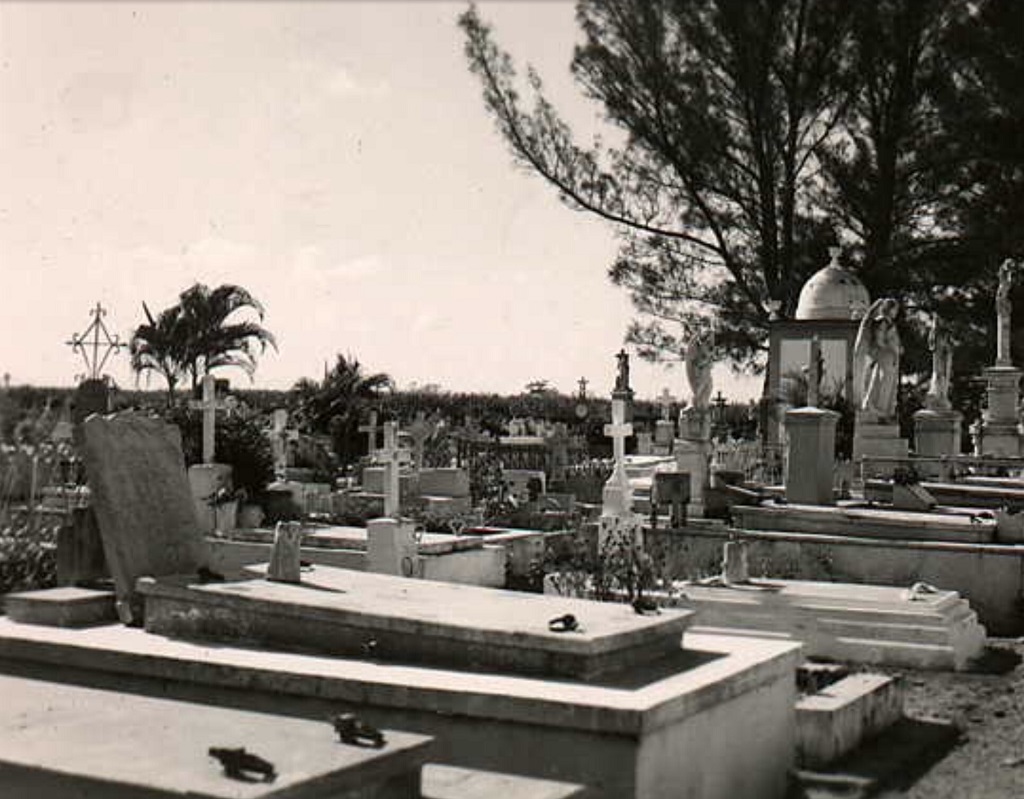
(359,614)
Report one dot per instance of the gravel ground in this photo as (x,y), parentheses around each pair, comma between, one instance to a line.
(963,739)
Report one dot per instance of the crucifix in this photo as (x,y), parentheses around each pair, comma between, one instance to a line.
(665,401)
(371,433)
(814,373)
(389,455)
(420,430)
(209,406)
(582,383)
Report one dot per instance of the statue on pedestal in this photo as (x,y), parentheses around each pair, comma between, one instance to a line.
(937,398)
(699,360)
(876,355)
(1004,309)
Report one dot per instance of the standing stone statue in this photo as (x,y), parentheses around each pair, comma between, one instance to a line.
(699,360)
(939,343)
(876,354)
(1004,309)
(622,378)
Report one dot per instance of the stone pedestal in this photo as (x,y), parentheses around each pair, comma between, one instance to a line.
(664,435)
(936,434)
(618,524)
(644,443)
(811,433)
(207,480)
(391,548)
(872,439)
(693,457)
(1000,435)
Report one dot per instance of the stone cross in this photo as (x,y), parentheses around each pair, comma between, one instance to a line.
(618,431)
(371,433)
(833,254)
(582,383)
(209,406)
(419,431)
(665,401)
(389,454)
(814,371)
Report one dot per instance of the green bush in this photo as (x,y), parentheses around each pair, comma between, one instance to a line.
(239,441)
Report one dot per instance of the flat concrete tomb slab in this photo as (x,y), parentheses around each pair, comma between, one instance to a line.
(858,520)
(876,624)
(355,538)
(715,721)
(66,606)
(62,741)
(958,498)
(351,613)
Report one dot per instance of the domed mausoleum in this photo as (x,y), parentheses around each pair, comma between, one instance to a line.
(831,305)
(832,293)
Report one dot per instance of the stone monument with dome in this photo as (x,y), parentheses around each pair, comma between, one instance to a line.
(831,305)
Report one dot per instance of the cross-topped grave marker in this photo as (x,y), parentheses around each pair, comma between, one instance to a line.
(209,406)
(618,431)
(95,350)
(420,430)
(617,496)
(665,401)
(371,433)
(390,454)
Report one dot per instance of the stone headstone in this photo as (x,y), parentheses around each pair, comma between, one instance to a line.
(285,557)
(141,497)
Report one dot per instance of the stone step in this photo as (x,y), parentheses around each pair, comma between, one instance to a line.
(839,718)
(66,606)
(451,782)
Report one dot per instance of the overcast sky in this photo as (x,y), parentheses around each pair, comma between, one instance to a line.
(332,157)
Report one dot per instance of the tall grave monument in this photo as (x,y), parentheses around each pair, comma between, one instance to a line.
(876,354)
(999,434)
(693,448)
(937,426)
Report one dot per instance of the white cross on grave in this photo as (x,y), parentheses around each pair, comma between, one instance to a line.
(209,406)
(371,433)
(420,430)
(619,430)
(390,456)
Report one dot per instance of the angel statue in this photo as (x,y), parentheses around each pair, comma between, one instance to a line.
(876,355)
(941,346)
(699,360)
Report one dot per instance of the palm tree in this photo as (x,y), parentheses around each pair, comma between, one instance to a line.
(336,404)
(158,346)
(212,341)
(195,336)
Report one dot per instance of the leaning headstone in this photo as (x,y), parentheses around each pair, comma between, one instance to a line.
(143,505)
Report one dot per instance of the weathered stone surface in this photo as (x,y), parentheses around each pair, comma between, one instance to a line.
(66,606)
(839,718)
(337,612)
(50,747)
(857,520)
(644,735)
(142,501)
(876,624)
(450,782)
(444,482)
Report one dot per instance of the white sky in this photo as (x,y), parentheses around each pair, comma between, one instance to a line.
(332,157)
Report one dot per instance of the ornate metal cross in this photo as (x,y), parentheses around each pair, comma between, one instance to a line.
(96,350)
